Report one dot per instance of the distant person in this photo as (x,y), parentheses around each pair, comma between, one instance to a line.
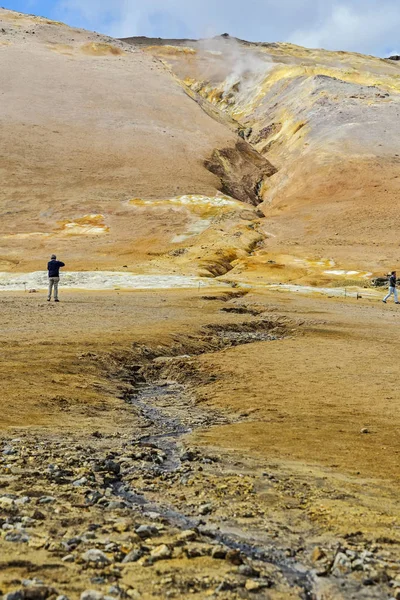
(392,288)
(54,267)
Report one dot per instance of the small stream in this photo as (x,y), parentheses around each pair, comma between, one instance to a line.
(172,428)
(151,400)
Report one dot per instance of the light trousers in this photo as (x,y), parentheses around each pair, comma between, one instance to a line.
(53,282)
(392,290)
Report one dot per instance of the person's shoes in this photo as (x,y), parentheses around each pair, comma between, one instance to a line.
(56,301)
(397,302)
(48,299)
(384,301)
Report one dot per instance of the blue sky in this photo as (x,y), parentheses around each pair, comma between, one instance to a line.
(367,26)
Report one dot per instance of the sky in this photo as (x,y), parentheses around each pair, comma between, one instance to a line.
(367,26)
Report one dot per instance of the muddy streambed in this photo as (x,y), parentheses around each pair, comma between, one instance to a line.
(172,414)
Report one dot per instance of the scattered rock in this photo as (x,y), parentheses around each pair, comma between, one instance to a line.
(341,565)
(133,555)
(146,531)
(187,536)
(197,550)
(117,534)
(252,586)
(33,590)
(46,500)
(69,558)
(96,556)
(205,509)
(7,504)
(318,554)
(357,565)
(92,595)
(122,526)
(93,498)
(39,592)
(234,557)
(248,571)
(14,596)
(225,586)
(23,500)
(162,552)
(18,537)
(115,504)
(189,455)
(80,482)
(219,552)
(112,467)
(38,515)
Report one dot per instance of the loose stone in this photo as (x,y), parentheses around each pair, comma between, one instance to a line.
(92,595)
(46,500)
(80,482)
(161,552)
(7,504)
(146,531)
(187,536)
(14,596)
(248,571)
(133,556)
(218,552)
(205,509)
(96,556)
(69,558)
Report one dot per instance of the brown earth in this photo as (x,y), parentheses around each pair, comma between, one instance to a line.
(294,407)
(310,394)
(49,352)
(263,422)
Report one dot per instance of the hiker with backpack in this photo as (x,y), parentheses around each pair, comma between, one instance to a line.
(54,267)
(392,288)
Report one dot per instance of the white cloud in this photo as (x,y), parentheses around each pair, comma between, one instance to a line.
(361,25)
(349,29)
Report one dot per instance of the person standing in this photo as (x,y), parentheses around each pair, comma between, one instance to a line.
(392,288)
(54,267)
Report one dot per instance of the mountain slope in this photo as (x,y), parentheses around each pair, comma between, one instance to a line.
(93,129)
(152,156)
(330,123)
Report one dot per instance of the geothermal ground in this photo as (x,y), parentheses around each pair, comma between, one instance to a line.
(239,445)
(212,409)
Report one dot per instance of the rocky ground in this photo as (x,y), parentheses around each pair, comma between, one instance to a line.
(130,518)
(148,509)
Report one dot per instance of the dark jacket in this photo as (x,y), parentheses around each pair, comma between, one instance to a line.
(392,281)
(54,268)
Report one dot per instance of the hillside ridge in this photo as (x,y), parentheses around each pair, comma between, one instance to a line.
(117,175)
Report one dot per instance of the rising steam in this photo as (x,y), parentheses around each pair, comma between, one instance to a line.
(233,68)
